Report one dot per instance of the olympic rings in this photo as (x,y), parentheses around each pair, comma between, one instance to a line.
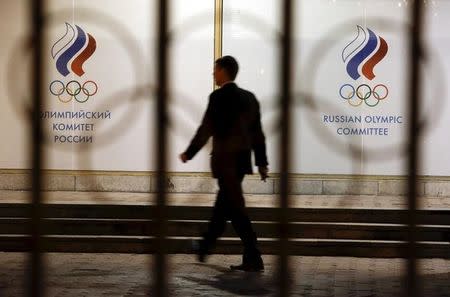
(78,89)
(85,92)
(363,94)
(375,94)
(368,93)
(74,89)
(85,88)
(61,89)
(64,100)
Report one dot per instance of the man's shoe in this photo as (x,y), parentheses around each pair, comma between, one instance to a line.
(199,250)
(201,256)
(259,267)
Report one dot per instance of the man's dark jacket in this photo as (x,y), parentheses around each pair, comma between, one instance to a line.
(233,119)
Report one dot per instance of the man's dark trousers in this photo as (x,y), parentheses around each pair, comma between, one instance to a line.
(230,205)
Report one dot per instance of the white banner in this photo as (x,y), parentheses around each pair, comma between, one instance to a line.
(350,82)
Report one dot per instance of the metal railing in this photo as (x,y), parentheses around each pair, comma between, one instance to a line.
(412,283)
(36,257)
(160,288)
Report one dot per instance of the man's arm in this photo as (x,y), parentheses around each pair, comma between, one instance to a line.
(259,140)
(201,136)
(259,143)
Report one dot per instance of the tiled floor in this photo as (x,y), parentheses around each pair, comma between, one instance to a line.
(129,275)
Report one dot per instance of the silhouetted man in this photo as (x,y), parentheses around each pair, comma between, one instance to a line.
(233,119)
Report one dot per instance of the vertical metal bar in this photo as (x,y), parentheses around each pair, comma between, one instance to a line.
(218,31)
(285,86)
(36,286)
(218,28)
(412,282)
(160,267)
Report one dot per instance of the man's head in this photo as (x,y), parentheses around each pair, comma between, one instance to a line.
(225,70)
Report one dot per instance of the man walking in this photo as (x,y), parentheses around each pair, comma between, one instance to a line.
(233,119)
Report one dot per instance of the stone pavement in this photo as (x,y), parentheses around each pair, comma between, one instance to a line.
(126,275)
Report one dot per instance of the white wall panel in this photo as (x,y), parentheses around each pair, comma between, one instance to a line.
(123,67)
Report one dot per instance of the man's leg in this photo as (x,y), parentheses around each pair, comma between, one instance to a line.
(232,186)
(216,226)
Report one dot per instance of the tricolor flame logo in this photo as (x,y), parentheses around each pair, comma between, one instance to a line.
(367,49)
(75,44)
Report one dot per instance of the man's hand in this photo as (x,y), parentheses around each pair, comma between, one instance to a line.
(183,158)
(263,170)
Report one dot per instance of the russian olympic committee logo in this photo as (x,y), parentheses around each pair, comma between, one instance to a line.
(361,56)
(76,46)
